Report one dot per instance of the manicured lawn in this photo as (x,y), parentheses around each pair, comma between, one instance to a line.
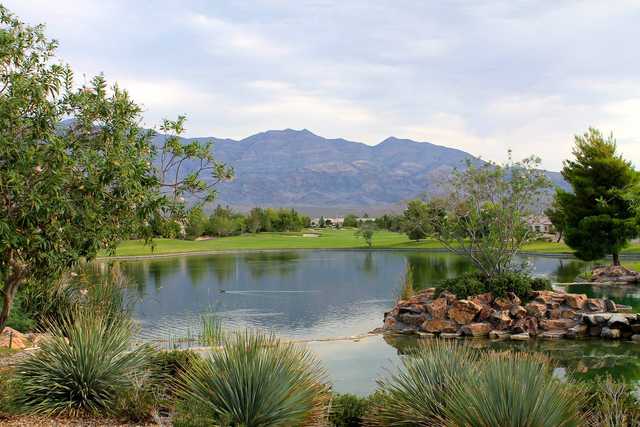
(328,239)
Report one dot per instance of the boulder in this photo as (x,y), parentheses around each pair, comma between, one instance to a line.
(557,324)
(412,319)
(618,321)
(577,331)
(439,325)
(463,311)
(10,338)
(614,273)
(546,297)
(478,329)
(500,335)
(595,331)
(576,301)
(536,309)
(594,304)
(483,299)
(502,303)
(635,338)
(610,306)
(517,311)
(501,319)
(409,308)
(520,337)
(610,333)
(568,313)
(438,308)
(450,335)
(448,296)
(554,335)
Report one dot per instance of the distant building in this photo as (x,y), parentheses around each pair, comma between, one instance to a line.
(542,224)
(336,221)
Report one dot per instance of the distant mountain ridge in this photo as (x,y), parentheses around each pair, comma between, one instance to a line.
(297,168)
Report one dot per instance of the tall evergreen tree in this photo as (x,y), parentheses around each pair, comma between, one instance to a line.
(599,219)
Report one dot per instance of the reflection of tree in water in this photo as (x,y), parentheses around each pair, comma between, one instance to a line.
(260,264)
(568,270)
(160,269)
(223,267)
(368,264)
(583,359)
(137,274)
(430,269)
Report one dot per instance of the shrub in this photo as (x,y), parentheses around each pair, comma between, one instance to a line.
(613,404)
(348,410)
(449,383)
(416,394)
(257,380)
(475,283)
(83,368)
(516,390)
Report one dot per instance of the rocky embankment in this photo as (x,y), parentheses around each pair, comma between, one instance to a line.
(549,314)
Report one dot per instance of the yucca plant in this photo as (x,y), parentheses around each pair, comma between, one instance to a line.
(257,380)
(514,390)
(83,368)
(416,395)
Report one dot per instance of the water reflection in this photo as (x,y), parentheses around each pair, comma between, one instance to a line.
(321,294)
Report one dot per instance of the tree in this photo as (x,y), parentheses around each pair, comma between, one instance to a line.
(350,221)
(366,231)
(321,222)
(255,220)
(416,220)
(599,218)
(77,172)
(196,223)
(484,215)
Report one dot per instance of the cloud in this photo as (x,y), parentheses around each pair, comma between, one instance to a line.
(480,76)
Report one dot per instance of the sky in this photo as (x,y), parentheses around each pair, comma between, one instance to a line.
(484,77)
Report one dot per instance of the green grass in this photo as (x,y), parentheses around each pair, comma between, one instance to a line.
(329,239)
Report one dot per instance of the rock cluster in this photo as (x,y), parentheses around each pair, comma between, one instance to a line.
(614,274)
(549,314)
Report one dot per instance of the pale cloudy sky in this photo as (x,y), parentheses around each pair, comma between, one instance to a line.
(479,76)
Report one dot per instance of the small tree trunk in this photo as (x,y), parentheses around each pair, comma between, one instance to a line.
(616,259)
(10,291)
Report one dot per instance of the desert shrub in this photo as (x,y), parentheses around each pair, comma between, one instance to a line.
(612,404)
(463,286)
(348,410)
(257,380)
(173,363)
(448,383)
(83,368)
(475,283)
(514,390)
(417,393)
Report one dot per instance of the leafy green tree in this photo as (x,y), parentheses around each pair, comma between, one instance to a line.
(366,231)
(77,173)
(350,221)
(416,220)
(599,218)
(196,223)
(322,222)
(483,217)
(255,220)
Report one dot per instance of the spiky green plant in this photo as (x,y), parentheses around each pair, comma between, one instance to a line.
(258,380)
(86,364)
(514,390)
(416,395)
(212,331)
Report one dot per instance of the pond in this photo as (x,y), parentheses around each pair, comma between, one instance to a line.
(315,295)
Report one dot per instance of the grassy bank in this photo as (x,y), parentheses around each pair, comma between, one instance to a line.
(327,239)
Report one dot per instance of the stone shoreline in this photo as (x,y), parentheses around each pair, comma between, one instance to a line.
(549,314)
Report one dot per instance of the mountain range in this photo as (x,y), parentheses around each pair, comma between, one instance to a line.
(316,175)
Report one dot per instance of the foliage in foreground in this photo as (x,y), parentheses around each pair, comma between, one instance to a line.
(348,410)
(475,283)
(85,367)
(255,380)
(445,382)
(613,404)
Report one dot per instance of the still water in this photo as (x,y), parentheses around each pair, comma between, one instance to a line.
(315,295)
